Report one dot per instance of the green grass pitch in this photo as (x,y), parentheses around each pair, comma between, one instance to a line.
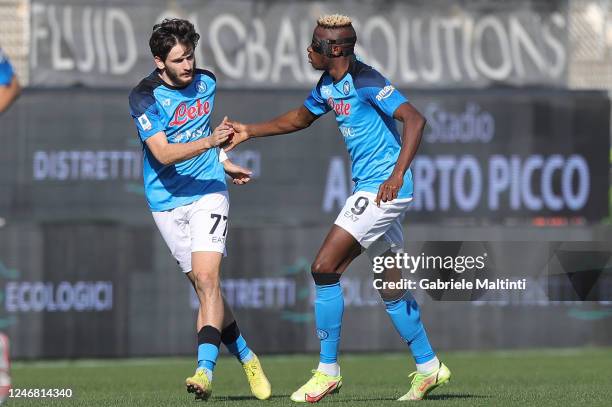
(560,377)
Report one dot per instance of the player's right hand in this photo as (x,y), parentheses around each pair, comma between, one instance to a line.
(221,133)
(389,189)
(241,134)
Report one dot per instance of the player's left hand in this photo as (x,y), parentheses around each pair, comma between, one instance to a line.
(389,189)
(240,175)
(221,134)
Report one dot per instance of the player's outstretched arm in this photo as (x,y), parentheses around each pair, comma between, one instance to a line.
(9,93)
(173,153)
(289,122)
(239,175)
(414,123)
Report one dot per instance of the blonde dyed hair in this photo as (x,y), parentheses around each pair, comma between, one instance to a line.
(334,21)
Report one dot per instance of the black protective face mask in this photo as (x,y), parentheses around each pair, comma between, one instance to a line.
(324,47)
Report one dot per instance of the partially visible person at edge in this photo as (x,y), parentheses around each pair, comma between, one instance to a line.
(9,91)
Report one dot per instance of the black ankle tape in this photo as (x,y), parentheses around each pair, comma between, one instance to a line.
(209,334)
(326,278)
(230,333)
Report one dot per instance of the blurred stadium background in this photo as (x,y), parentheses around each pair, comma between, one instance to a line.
(517,94)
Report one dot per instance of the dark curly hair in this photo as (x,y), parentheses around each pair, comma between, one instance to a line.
(170,32)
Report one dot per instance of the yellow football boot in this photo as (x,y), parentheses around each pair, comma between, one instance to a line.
(260,386)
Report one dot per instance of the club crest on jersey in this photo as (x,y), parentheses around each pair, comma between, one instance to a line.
(341,108)
(346,88)
(144,121)
(183,114)
(200,87)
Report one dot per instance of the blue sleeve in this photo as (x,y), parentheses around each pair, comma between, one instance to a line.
(315,103)
(378,91)
(6,70)
(145,114)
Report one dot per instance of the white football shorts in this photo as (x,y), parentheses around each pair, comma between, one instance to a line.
(377,229)
(200,226)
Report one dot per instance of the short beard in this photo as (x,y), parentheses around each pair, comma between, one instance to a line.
(177,80)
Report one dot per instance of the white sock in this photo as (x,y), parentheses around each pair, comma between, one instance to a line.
(332,369)
(428,367)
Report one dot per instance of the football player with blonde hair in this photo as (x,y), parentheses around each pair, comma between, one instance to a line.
(366,106)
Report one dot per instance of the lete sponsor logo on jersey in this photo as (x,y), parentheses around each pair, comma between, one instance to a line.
(341,108)
(144,121)
(385,92)
(183,114)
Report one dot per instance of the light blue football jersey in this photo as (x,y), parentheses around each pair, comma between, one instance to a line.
(364,102)
(184,115)
(6,70)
